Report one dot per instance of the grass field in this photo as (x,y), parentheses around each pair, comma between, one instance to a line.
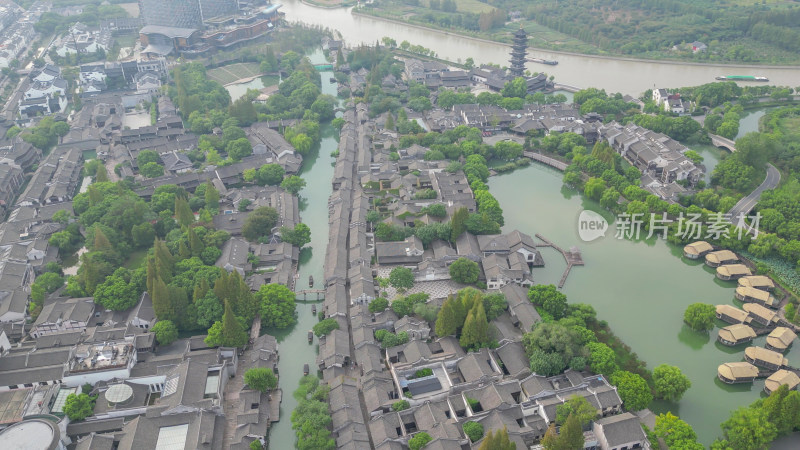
(232,72)
(473,6)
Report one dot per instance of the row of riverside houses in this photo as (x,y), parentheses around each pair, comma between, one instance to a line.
(660,158)
(493,387)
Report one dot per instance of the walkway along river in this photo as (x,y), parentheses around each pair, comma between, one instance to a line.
(614,75)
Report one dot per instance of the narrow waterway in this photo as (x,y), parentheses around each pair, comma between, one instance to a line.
(614,75)
(641,289)
(294,348)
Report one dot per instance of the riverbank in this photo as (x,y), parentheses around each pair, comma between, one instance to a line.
(587,55)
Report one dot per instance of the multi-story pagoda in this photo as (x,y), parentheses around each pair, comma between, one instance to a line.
(518,50)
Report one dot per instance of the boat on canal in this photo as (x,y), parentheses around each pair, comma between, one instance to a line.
(311,281)
(313,309)
(305,369)
(310,336)
(549,62)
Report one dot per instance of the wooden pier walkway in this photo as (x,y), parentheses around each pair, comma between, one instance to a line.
(572,257)
(318,294)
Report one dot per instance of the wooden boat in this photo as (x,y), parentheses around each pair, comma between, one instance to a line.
(310,281)
(310,336)
(314,309)
(305,369)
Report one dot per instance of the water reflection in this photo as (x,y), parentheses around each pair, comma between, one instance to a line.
(692,338)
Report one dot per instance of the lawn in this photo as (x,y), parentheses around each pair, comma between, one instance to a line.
(473,6)
(233,72)
(790,126)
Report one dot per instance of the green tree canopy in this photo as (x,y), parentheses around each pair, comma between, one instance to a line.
(700,316)
(277,305)
(259,223)
(464,271)
(325,326)
(670,383)
(401,278)
(261,379)
(166,332)
(633,390)
(78,407)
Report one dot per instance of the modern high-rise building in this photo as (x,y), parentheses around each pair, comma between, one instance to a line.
(218,8)
(518,50)
(171,13)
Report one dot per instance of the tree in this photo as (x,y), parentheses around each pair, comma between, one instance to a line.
(464,271)
(494,305)
(576,406)
(239,148)
(260,379)
(594,188)
(277,305)
(473,430)
(116,292)
(497,440)
(325,326)
(78,407)
(458,223)
(400,405)
(260,222)
(293,184)
(256,444)
(166,332)
(229,332)
(551,300)
(447,321)
(571,436)
(632,389)
(211,196)
(209,309)
(401,278)
(270,174)
(151,170)
(670,383)
(517,87)
(299,236)
(183,212)
(419,440)
(676,433)
(602,358)
(749,428)
(700,316)
(378,305)
(475,333)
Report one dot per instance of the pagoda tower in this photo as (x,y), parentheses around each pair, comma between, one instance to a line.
(518,51)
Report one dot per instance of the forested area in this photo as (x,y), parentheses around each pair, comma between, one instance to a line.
(734,32)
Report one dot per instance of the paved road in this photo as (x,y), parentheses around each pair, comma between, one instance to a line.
(746,204)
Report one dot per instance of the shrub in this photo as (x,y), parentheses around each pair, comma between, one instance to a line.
(473,430)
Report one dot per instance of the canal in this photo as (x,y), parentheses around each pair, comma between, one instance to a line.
(294,349)
(614,75)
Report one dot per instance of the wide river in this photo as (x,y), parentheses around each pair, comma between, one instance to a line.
(612,74)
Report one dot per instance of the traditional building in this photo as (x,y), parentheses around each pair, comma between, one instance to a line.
(518,52)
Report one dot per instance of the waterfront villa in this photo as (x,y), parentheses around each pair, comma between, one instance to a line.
(735,334)
(758,282)
(697,249)
(780,339)
(783,376)
(620,431)
(718,258)
(737,372)
(731,314)
(762,357)
(733,272)
(753,295)
(761,315)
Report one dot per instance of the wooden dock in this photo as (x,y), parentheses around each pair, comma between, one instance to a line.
(572,257)
(319,294)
